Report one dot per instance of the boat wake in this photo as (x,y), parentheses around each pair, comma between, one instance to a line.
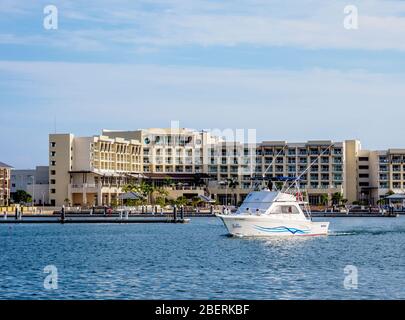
(364,232)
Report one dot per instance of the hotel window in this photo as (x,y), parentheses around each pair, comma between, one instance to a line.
(383,185)
(53,172)
(383,159)
(212,169)
(53,181)
(53,144)
(268,160)
(53,191)
(363,158)
(291,152)
(396,185)
(363,167)
(363,175)
(364,184)
(396,168)
(268,152)
(302,152)
(53,163)
(325,177)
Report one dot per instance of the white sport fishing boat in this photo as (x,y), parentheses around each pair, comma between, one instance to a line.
(280,209)
(273,213)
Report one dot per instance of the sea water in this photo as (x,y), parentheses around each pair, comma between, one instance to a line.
(362,258)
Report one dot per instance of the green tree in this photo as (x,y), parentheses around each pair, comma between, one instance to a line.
(181,201)
(196,201)
(232,184)
(161,201)
(337,198)
(144,189)
(21,196)
(324,199)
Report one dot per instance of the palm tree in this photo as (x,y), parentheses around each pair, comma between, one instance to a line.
(196,201)
(233,184)
(144,189)
(181,201)
(324,199)
(337,198)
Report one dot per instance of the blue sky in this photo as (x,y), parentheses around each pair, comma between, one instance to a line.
(288,69)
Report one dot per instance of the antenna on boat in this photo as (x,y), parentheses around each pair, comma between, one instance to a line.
(274,159)
(312,163)
(272,162)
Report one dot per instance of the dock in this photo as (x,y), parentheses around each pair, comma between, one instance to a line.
(76,219)
(92,220)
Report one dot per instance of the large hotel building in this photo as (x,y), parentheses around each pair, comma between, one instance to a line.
(90,171)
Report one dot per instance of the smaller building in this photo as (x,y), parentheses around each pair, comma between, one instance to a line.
(4,184)
(33,181)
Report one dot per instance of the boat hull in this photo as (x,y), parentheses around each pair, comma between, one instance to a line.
(263,226)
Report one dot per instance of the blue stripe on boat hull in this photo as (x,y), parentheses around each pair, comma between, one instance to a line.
(282,229)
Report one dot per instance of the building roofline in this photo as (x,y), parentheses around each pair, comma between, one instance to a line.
(5,165)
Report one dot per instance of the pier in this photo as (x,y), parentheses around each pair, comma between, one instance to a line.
(63,217)
(76,220)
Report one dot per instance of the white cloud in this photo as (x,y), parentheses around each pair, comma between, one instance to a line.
(318,103)
(290,105)
(159,23)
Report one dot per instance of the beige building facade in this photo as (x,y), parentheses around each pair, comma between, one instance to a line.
(87,171)
(92,170)
(5,170)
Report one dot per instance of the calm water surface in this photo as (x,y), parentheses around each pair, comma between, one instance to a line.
(198,261)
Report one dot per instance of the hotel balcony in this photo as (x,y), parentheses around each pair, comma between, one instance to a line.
(85,187)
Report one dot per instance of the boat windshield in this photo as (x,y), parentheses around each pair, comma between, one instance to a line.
(257,202)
